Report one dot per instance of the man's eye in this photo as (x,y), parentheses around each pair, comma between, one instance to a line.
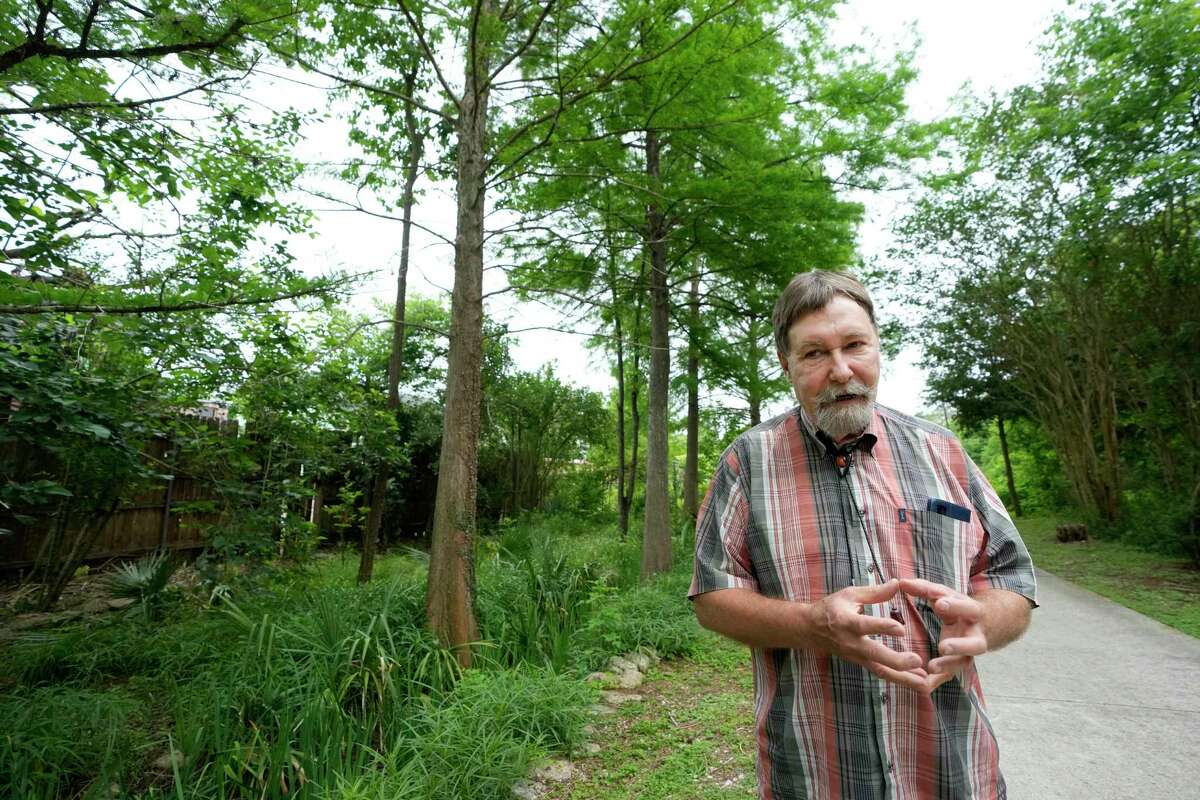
(813,355)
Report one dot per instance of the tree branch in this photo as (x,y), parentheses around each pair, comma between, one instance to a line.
(366,87)
(161,308)
(604,81)
(425,48)
(378,214)
(36,45)
(516,53)
(106,105)
(86,33)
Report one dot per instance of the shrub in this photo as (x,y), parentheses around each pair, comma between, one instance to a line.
(655,614)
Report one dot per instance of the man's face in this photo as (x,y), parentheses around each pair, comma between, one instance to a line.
(833,364)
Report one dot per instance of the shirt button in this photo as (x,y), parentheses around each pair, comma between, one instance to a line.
(892,767)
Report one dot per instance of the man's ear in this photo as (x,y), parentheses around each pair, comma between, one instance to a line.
(783,362)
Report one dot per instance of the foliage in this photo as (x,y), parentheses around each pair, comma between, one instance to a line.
(305,683)
(1063,246)
(653,615)
(1037,469)
(123,155)
(534,606)
(70,447)
(59,740)
(144,581)
(538,431)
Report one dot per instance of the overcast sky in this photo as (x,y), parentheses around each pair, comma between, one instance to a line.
(991,46)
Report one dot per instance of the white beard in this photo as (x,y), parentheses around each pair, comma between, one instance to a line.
(844,420)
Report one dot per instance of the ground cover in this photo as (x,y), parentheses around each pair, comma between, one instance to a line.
(301,683)
(688,737)
(1162,587)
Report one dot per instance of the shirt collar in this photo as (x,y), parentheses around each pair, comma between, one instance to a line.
(863,444)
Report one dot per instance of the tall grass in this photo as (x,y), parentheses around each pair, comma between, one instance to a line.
(311,686)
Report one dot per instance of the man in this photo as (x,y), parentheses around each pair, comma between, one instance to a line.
(867,562)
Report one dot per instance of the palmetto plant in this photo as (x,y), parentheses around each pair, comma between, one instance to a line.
(144,581)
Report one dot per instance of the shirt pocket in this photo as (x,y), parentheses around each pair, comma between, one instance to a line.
(943,548)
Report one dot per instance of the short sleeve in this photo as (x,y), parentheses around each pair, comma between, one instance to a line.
(1004,562)
(722,557)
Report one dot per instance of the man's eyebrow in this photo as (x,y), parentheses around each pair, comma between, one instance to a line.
(854,334)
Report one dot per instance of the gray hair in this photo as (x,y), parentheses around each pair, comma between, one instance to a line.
(812,291)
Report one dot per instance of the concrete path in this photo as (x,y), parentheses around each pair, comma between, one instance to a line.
(1096,702)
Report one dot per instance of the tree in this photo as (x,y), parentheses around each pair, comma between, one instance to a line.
(538,428)
(118,189)
(530,40)
(717,153)
(70,450)
(1067,236)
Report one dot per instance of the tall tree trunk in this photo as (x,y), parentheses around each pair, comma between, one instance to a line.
(656,544)
(622,508)
(450,601)
(691,476)
(1008,472)
(379,483)
(370,542)
(753,360)
(635,414)
(635,421)
(318,505)
(755,409)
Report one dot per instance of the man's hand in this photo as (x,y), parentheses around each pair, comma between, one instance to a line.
(836,624)
(963,636)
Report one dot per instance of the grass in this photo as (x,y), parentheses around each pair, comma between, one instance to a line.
(306,685)
(303,684)
(1162,587)
(689,738)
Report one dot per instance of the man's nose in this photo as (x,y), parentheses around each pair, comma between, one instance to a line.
(839,369)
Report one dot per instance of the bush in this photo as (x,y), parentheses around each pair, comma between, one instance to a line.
(302,683)
(1155,521)
(489,732)
(530,608)
(655,614)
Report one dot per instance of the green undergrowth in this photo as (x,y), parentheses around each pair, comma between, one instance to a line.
(690,737)
(303,684)
(1162,587)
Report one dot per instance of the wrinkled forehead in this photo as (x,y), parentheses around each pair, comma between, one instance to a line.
(841,317)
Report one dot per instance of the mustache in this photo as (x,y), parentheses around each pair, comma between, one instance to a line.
(854,387)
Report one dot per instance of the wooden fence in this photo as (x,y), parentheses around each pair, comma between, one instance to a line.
(156,519)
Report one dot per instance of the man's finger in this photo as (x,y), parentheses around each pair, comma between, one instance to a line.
(959,607)
(871,595)
(937,679)
(918,587)
(947,665)
(916,679)
(866,625)
(972,645)
(882,654)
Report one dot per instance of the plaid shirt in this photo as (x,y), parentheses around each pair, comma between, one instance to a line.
(780,518)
